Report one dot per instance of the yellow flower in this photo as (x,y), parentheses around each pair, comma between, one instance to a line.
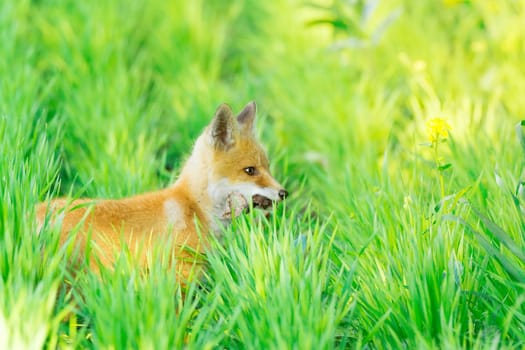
(437,129)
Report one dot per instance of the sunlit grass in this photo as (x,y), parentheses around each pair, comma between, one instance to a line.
(385,242)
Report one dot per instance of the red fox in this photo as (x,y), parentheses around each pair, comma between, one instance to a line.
(226,172)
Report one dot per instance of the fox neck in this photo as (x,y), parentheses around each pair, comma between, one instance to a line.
(194,181)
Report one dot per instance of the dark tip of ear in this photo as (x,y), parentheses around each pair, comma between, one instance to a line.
(248,113)
(224,109)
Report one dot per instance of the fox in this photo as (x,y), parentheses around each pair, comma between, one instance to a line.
(226,174)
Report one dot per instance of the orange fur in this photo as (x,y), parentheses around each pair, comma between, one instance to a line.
(218,160)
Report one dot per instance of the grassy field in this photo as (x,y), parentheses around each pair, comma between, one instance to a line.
(396,126)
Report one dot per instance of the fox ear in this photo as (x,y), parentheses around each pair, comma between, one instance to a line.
(223,128)
(246,118)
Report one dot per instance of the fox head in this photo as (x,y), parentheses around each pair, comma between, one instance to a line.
(236,166)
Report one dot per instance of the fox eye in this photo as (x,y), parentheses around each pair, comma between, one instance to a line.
(249,170)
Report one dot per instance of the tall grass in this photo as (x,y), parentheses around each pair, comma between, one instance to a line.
(377,247)
(30,266)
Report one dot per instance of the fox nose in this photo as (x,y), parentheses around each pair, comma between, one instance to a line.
(283,194)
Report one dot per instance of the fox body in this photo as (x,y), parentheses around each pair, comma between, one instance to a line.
(226,171)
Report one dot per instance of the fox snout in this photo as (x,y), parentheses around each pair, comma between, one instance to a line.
(263,202)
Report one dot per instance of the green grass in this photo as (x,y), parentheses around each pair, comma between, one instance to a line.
(375,248)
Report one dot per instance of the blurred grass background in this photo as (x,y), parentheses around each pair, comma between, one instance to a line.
(376,247)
